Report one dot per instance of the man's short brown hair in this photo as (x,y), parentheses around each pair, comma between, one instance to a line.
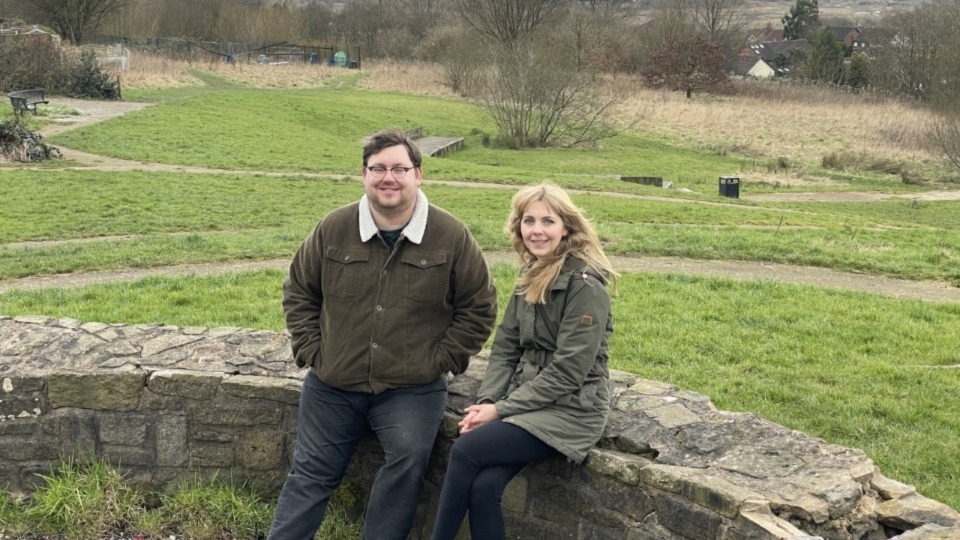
(387,138)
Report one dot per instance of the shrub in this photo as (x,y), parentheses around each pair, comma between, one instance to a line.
(29,63)
(87,79)
(17,143)
(847,161)
(35,63)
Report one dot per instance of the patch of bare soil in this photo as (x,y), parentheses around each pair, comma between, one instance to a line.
(95,111)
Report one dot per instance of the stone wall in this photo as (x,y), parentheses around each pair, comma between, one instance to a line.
(169,403)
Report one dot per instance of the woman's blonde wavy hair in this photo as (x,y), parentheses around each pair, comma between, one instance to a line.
(581,241)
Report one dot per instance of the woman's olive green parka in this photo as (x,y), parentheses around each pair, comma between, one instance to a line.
(548,369)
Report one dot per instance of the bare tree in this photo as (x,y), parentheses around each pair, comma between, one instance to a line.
(72,19)
(537,98)
(916,53)
(595,34)
(946,136)
(720,20)
(506,21)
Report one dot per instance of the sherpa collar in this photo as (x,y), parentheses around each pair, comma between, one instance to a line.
(414,229)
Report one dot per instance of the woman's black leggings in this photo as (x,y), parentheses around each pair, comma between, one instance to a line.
(481,464)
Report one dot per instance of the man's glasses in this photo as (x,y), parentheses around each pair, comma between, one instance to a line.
(379,172)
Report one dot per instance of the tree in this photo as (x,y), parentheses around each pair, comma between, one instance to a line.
(72,19)
(506,21)
(690,64)
(824,62)
(720,20)
(946,136)
(917,54)
(801,20)
(538,97)
(858,74)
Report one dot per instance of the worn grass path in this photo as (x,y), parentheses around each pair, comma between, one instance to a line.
(96,111)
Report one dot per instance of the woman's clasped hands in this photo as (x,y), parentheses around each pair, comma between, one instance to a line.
(478,415)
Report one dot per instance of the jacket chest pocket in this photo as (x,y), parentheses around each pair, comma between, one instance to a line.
(425,275)
(345,271)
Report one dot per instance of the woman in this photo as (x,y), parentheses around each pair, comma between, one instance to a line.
(545,392)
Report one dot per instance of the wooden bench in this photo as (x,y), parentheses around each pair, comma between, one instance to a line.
(26,100)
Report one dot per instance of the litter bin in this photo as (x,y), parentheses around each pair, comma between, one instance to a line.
(730,186)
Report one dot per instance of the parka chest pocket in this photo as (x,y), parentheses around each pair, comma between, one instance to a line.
(426,276)
(345,271)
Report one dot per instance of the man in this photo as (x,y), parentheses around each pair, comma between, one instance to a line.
(383,297)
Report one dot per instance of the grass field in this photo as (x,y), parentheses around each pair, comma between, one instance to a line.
(855,369)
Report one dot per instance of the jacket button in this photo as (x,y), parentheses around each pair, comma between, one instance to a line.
(423,263)
(379,308)
(347,258)
(375,345)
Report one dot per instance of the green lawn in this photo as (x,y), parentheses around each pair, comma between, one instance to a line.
(852,368)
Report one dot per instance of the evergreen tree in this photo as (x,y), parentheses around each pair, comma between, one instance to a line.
(858,74)
(824,63)
(801,20)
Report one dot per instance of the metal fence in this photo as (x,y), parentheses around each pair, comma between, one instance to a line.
(205,51)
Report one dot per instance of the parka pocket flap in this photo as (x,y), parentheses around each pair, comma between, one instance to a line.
(347,255)
(423,260)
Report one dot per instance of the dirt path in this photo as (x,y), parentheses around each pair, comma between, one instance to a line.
(92,112)
(740,270)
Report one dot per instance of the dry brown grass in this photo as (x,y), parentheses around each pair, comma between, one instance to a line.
(414,78)
(154,71)
(778,126)
(779,120)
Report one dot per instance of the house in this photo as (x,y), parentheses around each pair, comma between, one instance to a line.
(848,35)
(776,54)
(752,67)
(764,35)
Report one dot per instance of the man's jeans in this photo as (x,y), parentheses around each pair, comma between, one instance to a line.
(330,424)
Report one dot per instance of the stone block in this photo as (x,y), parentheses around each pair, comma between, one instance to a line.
(608,492)
(672,415)
(556,503)
(20,406)
(281,390)
(756,520)
(123,429)
(534,528)
(624,467)
(227,410)
(166,342)
(16,384)
(715,493)
(931,532)
(687,518)
(915,511)
(97,391)
(20,449)
(260,450)
(211,455)
(121,454)
(171,437)
(77,435)
(185,383)
(514,497)
(890,489)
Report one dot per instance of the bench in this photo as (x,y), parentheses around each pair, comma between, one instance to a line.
(26,100)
